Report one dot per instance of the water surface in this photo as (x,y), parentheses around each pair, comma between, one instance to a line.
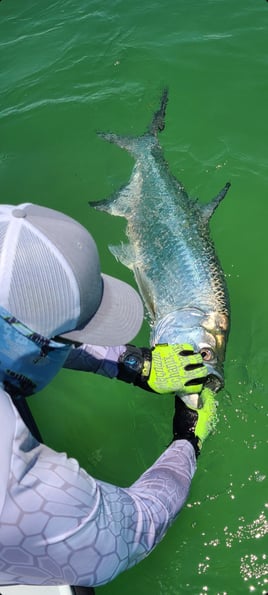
(68,69)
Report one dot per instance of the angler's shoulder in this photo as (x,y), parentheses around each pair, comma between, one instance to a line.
(8,419)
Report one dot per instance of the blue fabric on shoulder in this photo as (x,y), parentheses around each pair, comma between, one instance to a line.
(28,361)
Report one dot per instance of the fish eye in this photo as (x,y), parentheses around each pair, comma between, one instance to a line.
(207,354)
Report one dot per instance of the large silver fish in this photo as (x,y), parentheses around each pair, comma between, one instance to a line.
(170,252)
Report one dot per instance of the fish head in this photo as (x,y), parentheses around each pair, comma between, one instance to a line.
(207,333)
(216,330)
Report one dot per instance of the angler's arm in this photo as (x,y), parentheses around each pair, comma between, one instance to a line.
(161,369)
(94,358)
(60,525)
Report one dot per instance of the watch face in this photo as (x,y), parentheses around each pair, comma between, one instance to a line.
(133,361)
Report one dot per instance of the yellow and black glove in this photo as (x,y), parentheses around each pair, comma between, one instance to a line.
(164,368)
(193,424)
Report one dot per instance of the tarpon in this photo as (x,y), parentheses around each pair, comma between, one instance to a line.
(170,251)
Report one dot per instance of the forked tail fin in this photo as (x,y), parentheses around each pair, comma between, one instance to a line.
(133,144)
(158,121)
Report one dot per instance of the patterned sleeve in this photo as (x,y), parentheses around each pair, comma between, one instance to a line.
(59,525)
(92,358)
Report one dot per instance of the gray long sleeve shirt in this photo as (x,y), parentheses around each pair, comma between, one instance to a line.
(58,524)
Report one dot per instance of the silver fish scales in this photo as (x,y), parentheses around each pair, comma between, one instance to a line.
(170,251)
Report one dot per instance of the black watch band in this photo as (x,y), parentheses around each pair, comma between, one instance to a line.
(134,364)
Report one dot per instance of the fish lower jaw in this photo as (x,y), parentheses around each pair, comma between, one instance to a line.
(194,401)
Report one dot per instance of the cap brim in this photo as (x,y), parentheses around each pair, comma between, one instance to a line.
(117,320)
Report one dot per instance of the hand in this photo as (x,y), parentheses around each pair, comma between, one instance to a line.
(192,424)
(176,368)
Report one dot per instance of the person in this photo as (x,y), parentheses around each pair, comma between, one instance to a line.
(59,525)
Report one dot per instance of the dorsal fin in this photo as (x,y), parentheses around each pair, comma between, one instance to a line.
(208,209)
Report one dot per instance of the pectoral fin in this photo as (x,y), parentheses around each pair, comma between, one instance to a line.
(146,290)
(124,253)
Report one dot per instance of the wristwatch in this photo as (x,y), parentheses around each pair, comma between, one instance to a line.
(135,364)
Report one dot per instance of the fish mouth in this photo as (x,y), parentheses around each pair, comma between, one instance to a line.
(214,380)
(189,325)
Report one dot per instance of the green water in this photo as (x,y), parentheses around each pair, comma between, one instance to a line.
(68,69)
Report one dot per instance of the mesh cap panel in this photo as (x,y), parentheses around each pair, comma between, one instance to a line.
(43,294)
(50,279)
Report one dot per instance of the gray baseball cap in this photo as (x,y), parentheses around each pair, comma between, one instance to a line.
(50,279)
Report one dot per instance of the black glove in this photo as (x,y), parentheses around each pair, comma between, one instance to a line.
(195,425)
